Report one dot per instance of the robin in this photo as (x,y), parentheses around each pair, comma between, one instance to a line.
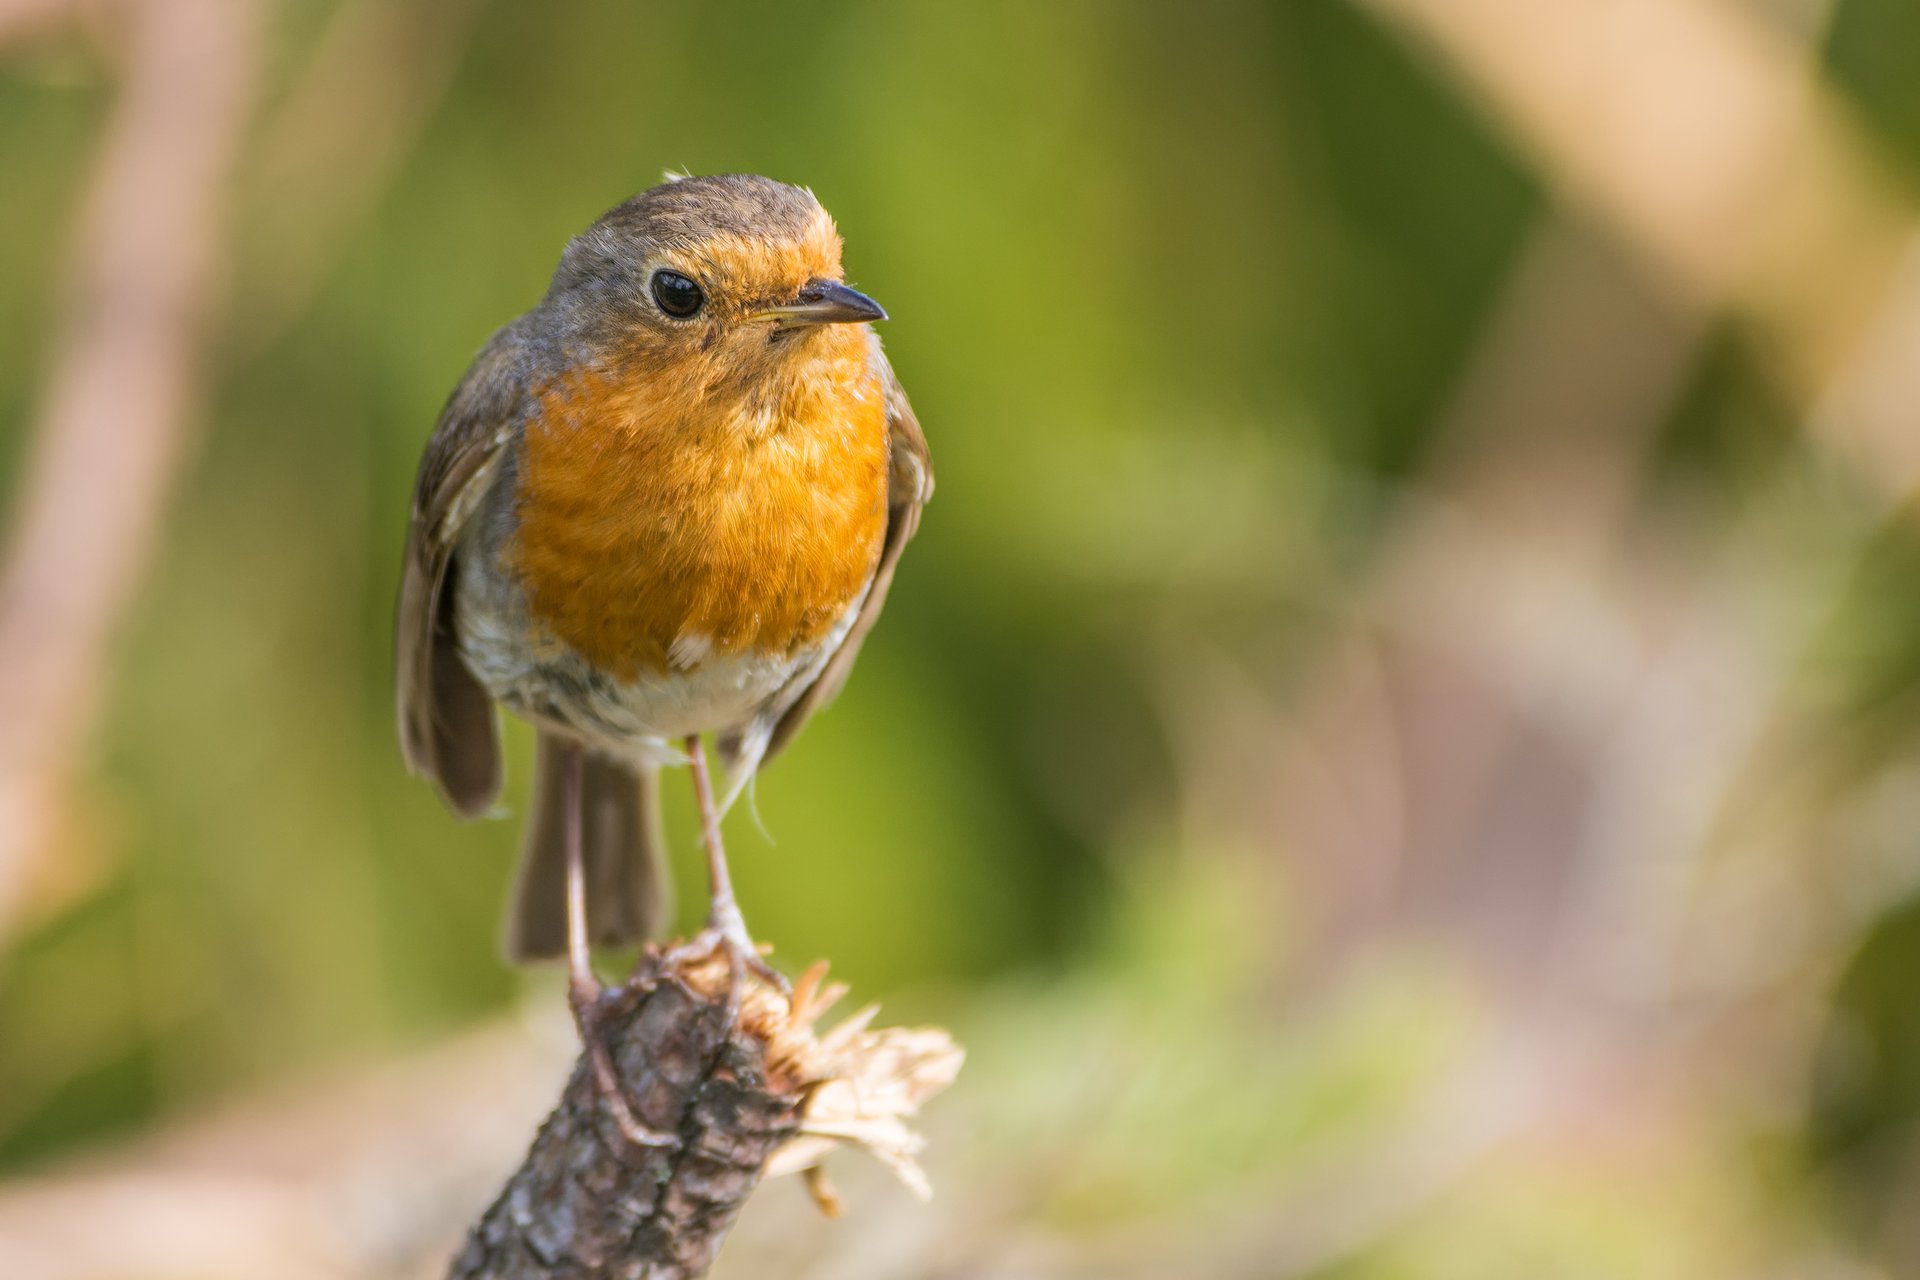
(665,502)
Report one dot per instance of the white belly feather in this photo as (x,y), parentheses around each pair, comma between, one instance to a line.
(550,684)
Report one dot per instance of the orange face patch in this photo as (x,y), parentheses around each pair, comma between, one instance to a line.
(739,505)
(740,271)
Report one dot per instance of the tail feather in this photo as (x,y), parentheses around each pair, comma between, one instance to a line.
(623,856)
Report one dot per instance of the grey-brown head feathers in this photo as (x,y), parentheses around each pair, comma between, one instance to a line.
(687,212)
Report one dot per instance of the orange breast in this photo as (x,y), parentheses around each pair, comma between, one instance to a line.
(653,507)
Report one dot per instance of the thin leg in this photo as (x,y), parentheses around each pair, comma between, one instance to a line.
(580,980)
(583,989)
(723,913)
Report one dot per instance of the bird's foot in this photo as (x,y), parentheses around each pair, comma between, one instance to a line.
(729,936)
(584,997)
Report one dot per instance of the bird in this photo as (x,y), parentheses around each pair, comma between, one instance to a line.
(664,504)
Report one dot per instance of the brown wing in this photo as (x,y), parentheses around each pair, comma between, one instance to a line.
(447,729)
(910,484)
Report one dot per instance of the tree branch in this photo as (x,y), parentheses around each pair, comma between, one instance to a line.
(742,1095)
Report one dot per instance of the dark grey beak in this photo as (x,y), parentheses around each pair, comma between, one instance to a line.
(826,302)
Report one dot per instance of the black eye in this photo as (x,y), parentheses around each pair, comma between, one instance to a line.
(677,295)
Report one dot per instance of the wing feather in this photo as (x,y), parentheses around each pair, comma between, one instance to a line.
(447,721)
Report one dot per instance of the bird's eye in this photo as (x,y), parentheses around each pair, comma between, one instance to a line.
(677,295)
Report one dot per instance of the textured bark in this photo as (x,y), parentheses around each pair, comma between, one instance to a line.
(588,1203)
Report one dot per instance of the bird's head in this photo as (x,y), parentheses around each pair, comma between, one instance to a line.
(725,281)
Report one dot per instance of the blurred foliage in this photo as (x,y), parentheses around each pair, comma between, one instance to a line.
(1869,50)
(1181,296)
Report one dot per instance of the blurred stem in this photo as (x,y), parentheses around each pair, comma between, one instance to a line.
(1705,136)
(118,412)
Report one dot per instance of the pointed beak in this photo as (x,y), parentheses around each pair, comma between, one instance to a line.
(825,302)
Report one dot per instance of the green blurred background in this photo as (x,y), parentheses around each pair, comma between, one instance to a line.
(1244,741)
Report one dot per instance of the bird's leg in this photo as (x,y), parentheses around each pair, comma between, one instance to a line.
(723,912)
(583,989)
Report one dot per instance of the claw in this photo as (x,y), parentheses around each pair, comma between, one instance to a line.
(584,998)
(745,955)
